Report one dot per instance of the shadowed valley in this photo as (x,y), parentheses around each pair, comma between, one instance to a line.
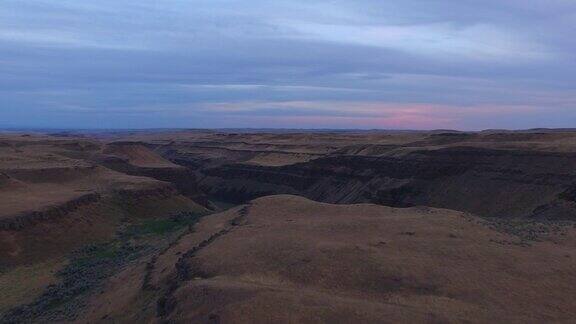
(288,227)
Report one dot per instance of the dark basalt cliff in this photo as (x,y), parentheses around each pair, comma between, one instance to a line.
(55,211)
(20,221)
(488,182)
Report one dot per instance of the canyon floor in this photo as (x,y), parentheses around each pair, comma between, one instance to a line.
(260,226)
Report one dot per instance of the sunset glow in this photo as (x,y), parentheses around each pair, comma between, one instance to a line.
(294,64)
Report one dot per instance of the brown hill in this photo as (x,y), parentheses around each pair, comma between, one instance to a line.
(45,193)
(101,228)
(139,160)
(286,259)
(138,155)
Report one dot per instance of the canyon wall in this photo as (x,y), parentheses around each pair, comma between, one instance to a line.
(449,171)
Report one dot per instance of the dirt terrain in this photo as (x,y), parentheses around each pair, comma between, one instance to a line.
(323,227)
(45,179)
(56,196)
(286,259)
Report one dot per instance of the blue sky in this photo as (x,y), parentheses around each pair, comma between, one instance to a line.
(297,64)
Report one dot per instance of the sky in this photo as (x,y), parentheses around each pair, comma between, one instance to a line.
(356,64)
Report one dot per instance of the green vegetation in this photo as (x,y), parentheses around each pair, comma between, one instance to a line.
(90,266)
(25,283)
(162,226)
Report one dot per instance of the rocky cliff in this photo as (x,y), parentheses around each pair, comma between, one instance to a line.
(456,171)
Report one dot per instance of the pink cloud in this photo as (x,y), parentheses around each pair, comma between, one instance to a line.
(402,122)
(321,114)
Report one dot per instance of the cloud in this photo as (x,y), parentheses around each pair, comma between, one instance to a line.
(230,63)
(444,41)
(63,39)
(323,114)
(270,88)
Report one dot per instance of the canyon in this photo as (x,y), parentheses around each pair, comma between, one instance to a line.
(260,226)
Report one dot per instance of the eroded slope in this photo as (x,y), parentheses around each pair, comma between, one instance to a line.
(286,259)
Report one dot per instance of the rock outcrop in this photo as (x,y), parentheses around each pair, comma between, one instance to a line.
(456,171)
